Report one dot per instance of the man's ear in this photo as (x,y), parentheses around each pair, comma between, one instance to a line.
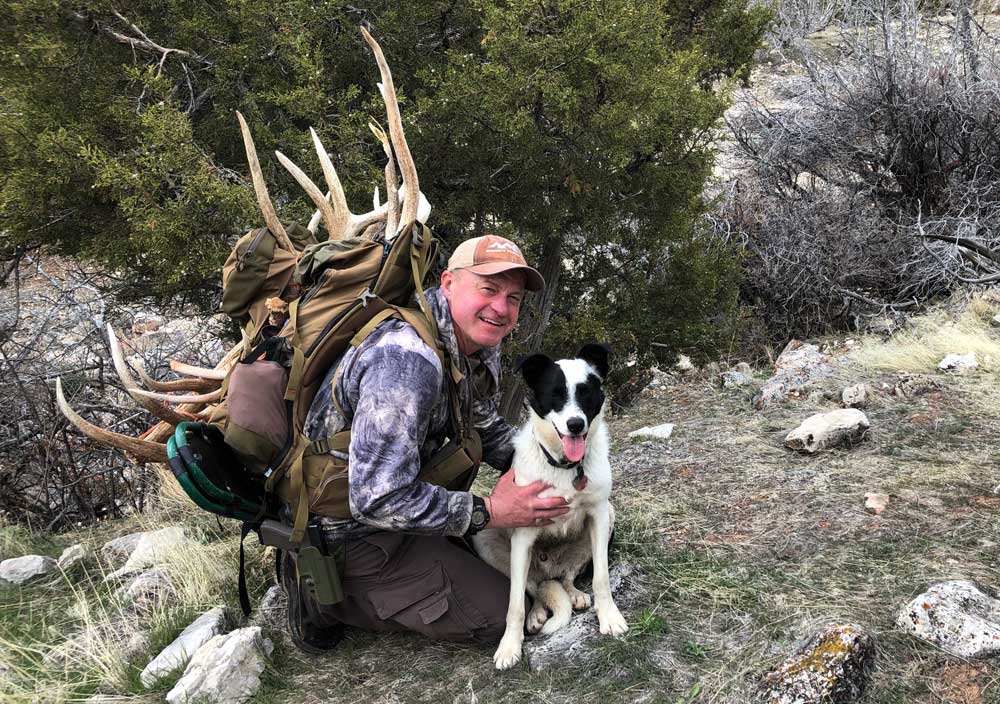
(533,367)
(597,356)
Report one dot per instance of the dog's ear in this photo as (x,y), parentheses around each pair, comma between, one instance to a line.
(597,356)
(533,367)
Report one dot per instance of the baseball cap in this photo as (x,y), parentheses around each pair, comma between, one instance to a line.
(492,254)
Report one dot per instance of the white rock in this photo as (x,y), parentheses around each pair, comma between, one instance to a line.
(830,429)
(876,503)
(118,550)
(148,588)
(18,570)
(225,670)
(153,548)
(735,378)
(959,363)
(662,431)
(955,616)
(798,364)
(72,555)
(855,396)
(577,640)
(995,321)
(684,364)
(178,653)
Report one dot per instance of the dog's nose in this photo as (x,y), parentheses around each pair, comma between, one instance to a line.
(575,425)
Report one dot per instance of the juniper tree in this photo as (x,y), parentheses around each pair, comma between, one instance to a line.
(582,129)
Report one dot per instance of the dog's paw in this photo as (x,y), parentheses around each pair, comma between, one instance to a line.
(581,600)
(612,622)
(508,654)
(536,618)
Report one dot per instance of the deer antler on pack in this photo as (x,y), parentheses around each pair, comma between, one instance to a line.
(404,204)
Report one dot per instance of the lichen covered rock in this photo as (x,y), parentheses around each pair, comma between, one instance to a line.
(956,616)
(832,668)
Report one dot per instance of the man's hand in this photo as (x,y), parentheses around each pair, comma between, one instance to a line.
(513,506)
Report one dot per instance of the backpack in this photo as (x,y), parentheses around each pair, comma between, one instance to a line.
(348,287)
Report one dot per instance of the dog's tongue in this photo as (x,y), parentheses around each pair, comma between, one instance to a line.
(574,446)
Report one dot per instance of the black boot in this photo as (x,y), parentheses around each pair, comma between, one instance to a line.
(302,614)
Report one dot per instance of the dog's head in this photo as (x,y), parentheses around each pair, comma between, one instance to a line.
(566,396)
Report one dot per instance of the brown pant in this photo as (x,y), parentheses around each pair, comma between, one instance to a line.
(426,584)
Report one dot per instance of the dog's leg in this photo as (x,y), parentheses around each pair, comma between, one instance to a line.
(509,652)
(610,618)
(580,600)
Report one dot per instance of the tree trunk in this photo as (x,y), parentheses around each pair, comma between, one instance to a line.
(533,328)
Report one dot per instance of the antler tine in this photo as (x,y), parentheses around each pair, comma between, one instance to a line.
(316,216)
(210,397)
(260,188)
(162,412)
(322,202)
(144,450)
(203,385)
(200,372)
(348,223)
(391,185)
(406,165)
(337,197)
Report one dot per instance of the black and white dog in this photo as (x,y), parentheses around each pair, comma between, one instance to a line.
(564,444)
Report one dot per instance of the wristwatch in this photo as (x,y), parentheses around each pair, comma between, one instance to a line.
(480,516)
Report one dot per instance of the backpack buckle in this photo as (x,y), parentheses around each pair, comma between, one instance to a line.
(365,296)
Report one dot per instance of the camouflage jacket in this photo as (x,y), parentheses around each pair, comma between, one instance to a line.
(394,397)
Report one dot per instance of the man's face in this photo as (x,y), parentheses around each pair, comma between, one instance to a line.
(483,308)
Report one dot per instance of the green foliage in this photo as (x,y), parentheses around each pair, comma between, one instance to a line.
(582,129)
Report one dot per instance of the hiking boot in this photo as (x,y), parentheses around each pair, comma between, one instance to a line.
(307,636)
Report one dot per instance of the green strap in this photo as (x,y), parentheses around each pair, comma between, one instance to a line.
(367,328)
(298,488)
(338,441)
(295,373)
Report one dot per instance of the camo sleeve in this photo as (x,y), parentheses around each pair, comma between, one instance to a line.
(496,433)
(398,382)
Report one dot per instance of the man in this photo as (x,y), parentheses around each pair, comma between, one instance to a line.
(405,566)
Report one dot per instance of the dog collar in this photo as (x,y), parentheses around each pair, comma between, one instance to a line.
(580,480)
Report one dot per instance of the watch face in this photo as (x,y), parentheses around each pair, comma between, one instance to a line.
(479,517)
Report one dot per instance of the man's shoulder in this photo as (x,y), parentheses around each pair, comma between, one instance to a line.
(397,341)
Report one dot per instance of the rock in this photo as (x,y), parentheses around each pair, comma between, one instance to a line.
(797,365)
(956,616)
(855,396)
(118,550)
(740,375)
(136,647)
(684,364)
(146,322)
(225,670)
(832,667)
(272,608)
(179,652)
(876,503)
(19,570)
(959,363)
(576,641)
(826,430)
(662,431)
(153,548)
(995,321)
(73,555)
(148,589)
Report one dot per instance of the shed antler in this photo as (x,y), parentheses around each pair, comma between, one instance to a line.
(404,205)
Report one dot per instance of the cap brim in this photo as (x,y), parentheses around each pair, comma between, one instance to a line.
(533,280)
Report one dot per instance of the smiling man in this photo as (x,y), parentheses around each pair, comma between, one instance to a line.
(405,565)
